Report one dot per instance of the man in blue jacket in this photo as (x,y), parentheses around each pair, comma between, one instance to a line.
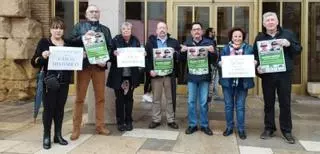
(198,85)
(279,82)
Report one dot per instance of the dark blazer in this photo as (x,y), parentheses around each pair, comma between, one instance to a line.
(152,43)
(115,74)
(247,83)
(38,61)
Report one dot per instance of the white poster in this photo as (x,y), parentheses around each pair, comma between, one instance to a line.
(131,57)
(240,66)
(65,58)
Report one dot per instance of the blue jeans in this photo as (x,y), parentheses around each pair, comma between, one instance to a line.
(198,90)
(235,96)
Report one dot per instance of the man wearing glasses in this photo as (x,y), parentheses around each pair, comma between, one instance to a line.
(198,85)
(95,72)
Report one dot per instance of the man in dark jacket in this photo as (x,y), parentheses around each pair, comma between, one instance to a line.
(279,82)
(198,85)
(95,72)
(161,82)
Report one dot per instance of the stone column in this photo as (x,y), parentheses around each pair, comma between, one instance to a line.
(112,15)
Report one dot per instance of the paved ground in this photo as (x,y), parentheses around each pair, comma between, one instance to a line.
(18,134)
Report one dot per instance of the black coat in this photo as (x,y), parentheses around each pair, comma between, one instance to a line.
(38,61)
(152,43)
(211,58)
(289,52)
(81,29)
(115,74)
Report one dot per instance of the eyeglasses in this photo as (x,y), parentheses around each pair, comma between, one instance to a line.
(93,11)
(196,29)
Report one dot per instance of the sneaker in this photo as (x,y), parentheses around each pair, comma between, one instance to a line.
(289,138)
(147,98)
(267,134)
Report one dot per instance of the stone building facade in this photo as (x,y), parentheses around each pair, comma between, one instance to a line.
(22,24)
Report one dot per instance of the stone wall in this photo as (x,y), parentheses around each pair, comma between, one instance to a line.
(22,24)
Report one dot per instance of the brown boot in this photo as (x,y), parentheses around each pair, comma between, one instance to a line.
(102,131)
(100,126)
(77,119)
(75,133)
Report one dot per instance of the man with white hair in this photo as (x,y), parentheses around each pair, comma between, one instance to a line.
(279,82)
(96,72)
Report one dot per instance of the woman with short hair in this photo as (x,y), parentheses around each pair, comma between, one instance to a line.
(123,80)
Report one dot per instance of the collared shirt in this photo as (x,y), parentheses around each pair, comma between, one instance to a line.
(197,42)
(162,43)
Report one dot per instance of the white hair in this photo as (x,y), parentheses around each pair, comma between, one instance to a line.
(92,5)
(268,14)
(126,24)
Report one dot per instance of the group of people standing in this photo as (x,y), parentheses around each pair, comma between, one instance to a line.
(125,80)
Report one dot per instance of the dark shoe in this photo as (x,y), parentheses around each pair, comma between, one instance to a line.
(267,134)
(289,138)
(59,139)
(191,130)
(46,141)
(173,125)
(228,132)
(207,131)
(154,124)
(121,127)
(129,126)
(242,135)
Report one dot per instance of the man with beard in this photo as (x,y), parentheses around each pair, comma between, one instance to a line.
(161,83)
(198,85)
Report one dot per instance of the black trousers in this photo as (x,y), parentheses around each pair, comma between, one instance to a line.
(279,83)
(147,84)
(174,94)
(53,104)
(124,104)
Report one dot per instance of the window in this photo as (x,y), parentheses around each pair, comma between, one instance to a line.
(290,17)
(135,14)
(64,10)
(156,12)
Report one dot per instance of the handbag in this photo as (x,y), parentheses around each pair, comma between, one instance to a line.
(52,82)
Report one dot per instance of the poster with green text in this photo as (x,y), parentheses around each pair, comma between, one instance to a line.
(96,48)
(271,56)
(198,60)
(163,61)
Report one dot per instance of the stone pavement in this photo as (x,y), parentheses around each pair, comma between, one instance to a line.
(18,133)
